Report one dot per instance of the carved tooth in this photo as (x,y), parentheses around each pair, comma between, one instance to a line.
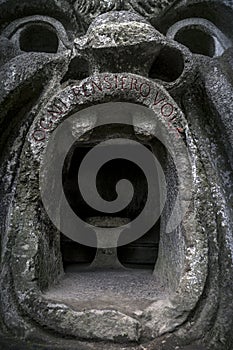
(82,128)
(144,127)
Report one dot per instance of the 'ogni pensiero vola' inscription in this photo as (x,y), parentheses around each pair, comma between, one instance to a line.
(130,87)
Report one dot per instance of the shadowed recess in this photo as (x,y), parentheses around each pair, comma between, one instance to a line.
(39,38)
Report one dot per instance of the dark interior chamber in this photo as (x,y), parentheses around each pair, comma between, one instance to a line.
(140,253)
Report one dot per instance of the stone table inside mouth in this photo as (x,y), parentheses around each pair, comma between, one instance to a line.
(107,257)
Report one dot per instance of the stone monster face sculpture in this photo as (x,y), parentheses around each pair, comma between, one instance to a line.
(163,70)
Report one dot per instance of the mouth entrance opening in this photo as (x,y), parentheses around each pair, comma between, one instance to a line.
(139,254)
(145,271)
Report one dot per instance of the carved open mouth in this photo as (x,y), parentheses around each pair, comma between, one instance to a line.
(111,278)
(139,279)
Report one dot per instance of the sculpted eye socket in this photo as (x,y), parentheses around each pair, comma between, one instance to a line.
(38,34)
(200,36)
(38,38)
(197,40)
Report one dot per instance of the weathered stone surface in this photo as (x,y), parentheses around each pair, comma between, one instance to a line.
(91,9)
(104,325)
(120,51)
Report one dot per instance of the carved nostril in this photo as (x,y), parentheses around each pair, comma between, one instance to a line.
(197,41)
(168,66)
(78,69)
